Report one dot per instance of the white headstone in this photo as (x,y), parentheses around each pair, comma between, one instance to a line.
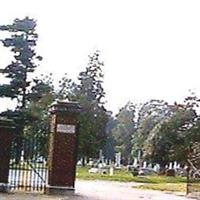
(103,160)
(150,165)
(101,157)
(100,165)
(135,162)
(175,164)
(93,170)
(22,156)
(118,159)
(144,164)
(157,168)
(111,171)
(170,165)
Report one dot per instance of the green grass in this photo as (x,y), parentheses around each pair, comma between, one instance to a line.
(119,175)
(124,176)
(172,187)
(162,183)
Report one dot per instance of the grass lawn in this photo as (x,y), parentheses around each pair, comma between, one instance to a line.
(163,183)
(172,187)
(124,176)
(119,175)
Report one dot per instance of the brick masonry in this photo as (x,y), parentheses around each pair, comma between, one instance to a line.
(6,128)
(62,149)
(5,148)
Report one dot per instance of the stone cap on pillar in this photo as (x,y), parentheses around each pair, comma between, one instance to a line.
(61,106)
(6,123)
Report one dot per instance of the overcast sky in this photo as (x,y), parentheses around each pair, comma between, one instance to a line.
(151,49)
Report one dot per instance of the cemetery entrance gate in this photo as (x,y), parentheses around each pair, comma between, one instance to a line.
(24,154)
(28,162)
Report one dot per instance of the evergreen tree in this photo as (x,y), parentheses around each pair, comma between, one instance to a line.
(93,118)
(21,40)
(37,125)
(22,43)
(66,88)
(124,129)
(109,148)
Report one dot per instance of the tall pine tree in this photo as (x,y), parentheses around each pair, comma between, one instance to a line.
(21,40)
(93,118)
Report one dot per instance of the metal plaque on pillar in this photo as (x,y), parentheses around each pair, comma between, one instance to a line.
(66,128)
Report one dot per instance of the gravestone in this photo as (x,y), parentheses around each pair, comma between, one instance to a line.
(135,163)
(101,155)
(170,165)
(22,156)
(144,164)
(118,159)
(111,170)
(157,168)
(150,165)
(175,164)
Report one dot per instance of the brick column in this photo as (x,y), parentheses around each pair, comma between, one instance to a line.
(63,148)
(6,127)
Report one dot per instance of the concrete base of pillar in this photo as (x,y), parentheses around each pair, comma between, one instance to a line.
(4,187)
(58,190)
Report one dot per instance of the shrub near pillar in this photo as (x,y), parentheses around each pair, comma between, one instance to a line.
(6,128)
(63,148)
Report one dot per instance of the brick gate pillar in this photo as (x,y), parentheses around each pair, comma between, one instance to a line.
(6,128)
(63,147)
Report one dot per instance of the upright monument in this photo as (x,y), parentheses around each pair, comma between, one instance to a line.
(63,147)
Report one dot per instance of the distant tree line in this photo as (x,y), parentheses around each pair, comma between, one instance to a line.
(163,132)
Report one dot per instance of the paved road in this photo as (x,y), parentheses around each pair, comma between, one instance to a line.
(101,190)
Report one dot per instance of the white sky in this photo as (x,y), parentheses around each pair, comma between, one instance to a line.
(151,49)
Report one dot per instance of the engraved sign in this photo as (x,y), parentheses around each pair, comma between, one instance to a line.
(65,128)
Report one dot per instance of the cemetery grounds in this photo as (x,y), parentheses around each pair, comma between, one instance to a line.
(153,182)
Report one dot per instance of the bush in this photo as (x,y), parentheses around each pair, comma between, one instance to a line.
(170,172)
(134,171)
